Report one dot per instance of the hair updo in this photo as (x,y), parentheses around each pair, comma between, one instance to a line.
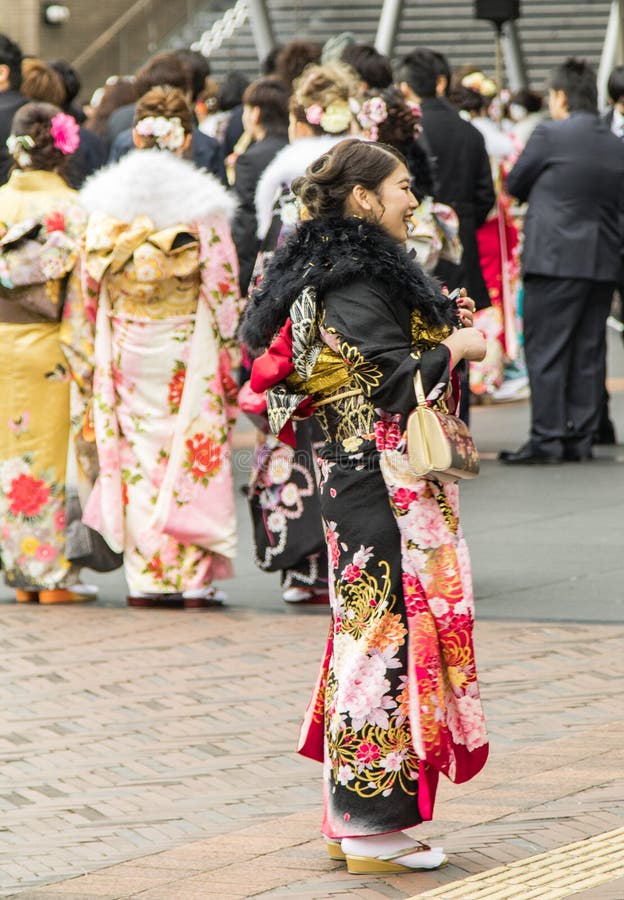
(34,119)
(400,126)
(324,87)
(166,102)
(328,182)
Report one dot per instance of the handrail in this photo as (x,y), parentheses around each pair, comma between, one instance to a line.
(111,33)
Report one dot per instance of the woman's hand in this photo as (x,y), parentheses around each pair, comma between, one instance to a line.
(465,309)
(466,343)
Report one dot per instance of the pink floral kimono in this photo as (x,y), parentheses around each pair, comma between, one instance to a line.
(161,289)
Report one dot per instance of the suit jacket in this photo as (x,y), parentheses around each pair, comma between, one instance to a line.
(572,173)
(206,152)
(249,167)
(464,181)
(10,102)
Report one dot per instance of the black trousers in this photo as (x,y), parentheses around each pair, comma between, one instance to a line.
(565,346)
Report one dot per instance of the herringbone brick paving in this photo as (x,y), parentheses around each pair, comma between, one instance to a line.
(133,733)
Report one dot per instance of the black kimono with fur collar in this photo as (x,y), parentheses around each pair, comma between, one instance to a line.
(332,253)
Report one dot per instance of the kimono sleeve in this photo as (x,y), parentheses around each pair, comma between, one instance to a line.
(219,283)
(376,346)
(77,340)
(77,330)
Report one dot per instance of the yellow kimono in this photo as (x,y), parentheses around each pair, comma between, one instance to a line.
(34,394)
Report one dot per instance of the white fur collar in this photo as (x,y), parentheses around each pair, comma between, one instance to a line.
(157,184)
(290,163)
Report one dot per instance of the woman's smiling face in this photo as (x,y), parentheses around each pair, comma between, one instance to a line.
(395,203)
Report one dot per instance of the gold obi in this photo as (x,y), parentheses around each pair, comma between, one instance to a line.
(149,274)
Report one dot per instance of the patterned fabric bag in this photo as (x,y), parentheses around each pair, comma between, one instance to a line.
(35,260)
(284,507)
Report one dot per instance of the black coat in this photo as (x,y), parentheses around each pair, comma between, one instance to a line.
(249,167)
(572,173)
(464,181)
(10,102)
(206,152)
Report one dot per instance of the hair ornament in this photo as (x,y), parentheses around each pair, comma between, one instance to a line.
(65,133)
(374,111)
(18,146)
(168,133)
(314,114)
(416,111)
(479,83)
(334,119)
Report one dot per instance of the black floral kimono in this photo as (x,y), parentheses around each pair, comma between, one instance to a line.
(397,700)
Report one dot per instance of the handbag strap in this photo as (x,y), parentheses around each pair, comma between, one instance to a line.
(418,388)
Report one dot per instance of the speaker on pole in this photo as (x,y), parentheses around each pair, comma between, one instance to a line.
(497,11)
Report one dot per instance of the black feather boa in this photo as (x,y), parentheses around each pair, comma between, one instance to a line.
(329,254)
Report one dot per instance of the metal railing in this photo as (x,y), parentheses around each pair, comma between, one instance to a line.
(223,29)
(136,34)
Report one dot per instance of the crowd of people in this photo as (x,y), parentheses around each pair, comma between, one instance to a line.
(317,247)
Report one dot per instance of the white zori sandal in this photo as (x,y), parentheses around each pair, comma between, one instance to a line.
(410,856)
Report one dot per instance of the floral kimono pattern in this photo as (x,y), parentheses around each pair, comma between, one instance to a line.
(166,310)
(397,700)
(287,536)
(35,273)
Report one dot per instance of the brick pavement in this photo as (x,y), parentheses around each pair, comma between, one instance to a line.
(153,751)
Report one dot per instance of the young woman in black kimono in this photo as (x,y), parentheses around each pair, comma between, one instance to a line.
(353,318)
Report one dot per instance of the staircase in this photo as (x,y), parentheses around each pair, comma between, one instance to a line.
(549,31)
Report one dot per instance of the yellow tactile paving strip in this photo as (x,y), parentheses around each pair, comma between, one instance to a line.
(558,873)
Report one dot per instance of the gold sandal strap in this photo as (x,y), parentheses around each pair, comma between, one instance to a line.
(396,854)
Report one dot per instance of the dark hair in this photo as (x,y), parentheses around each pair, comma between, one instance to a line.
(269,63)
(69,77)
(615,84)
(420,69)
(532,101)
(271,96)
(372,66)
(577,79)
(198,69)
(398,131)
(163,68)
(34,119)
(443,68)
(121,93)
(294,57)
(327,183)
(41,82)
(467,99)
(231,90)
(165,101)
(11,56)
(398,128)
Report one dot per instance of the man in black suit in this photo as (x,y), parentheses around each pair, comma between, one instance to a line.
(265,119)
(572,173)
(10,97)
(464,178)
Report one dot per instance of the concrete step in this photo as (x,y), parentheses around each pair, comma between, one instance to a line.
(549,31)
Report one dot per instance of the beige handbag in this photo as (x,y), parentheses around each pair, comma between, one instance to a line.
(439,445)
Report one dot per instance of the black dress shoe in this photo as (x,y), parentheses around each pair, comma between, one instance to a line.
(528,455)
(572,455)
